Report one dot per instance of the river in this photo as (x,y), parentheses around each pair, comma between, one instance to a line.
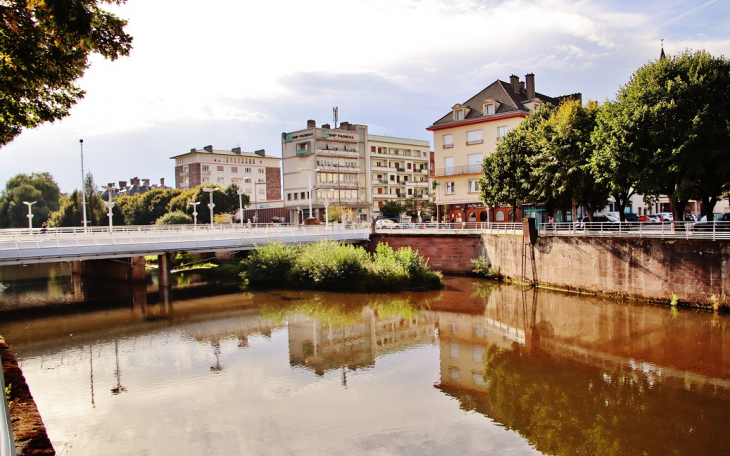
(478,368)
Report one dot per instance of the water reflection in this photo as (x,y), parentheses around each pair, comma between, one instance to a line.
(475,368)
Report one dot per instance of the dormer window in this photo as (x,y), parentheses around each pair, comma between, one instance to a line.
(460,111)
(459,114)
(490,106)
(489,109)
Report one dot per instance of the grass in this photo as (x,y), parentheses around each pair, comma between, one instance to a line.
(329,265)
(483,267)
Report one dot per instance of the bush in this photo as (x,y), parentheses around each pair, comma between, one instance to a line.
(330,265)
(483,267)
(174,218)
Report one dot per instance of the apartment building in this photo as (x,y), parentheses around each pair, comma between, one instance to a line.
(254,172)
(470,131)
(399,169)
(325,166)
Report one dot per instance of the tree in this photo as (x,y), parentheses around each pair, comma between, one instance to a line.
(675,114)
(391,208)
(225,200)
(507,173)
(174,218)
(70,212)
(38,187)
(335,213)
(410,207)
(45,46)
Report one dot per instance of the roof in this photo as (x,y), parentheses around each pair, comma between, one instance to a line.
(511,102)
(229,153)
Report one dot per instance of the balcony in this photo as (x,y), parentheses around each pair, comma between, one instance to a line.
(337,151)
(459,170)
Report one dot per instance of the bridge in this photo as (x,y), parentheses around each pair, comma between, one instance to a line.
(24,246)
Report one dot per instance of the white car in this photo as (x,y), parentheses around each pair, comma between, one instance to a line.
(666,216)
(386,224)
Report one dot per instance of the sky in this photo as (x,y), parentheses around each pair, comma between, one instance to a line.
(239,73)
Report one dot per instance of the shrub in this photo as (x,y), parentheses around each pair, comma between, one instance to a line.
(174,218)
(484,268)
(270,264)
(329,264)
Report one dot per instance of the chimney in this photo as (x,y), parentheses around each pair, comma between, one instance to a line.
(134,181)
(530,85)
(193,149)
(344,125)
(110,184)
(522,86)
(514,81)
(208,148)
(326,126)
(311,124)
(236,150)
(146,182)
(261,152)
(122,184)
(162,182)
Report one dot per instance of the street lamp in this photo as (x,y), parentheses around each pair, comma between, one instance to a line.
(255,197)
(240,204)
(109,205)
(195,212)
(83,182)
(211,205)
(30,213)
(309,185)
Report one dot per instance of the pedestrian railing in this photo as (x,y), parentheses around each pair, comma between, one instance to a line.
(7,441)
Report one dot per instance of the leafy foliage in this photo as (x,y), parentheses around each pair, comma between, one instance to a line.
(45,46)
(38,187)
(392,209)
(333,266)
(174,218)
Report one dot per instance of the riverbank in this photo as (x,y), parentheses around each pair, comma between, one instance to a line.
(30,433)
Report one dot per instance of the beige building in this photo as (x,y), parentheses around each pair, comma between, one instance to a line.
(325,166)
(398,170)
(469,132)
(258,175)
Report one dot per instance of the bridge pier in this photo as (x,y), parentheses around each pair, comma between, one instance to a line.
(126,269)
(163,270)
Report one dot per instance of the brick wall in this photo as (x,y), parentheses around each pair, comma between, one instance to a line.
(651,269)
(445,253)
(642,268)
(273,184)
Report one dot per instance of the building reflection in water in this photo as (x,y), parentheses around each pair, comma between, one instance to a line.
(577,376)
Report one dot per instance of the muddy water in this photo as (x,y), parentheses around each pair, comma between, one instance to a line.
(472,369)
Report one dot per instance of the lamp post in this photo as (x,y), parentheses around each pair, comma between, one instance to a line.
(326,211)
(30,213)
(240,205)
(195,212)
(211,205)
(109,204)
(309,185)
(83,182)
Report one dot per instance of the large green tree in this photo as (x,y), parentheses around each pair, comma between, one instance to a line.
(391,208)
(44,49)
(674,113)
(225,200)
(38,187)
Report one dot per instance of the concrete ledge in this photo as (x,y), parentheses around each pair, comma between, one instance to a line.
(30,433)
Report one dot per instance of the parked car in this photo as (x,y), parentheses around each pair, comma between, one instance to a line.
(600,222)
(386,224)
(666,216)
(719,224)
(651,218)
(631,217)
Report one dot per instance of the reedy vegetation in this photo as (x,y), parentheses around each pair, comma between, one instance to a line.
(333,266)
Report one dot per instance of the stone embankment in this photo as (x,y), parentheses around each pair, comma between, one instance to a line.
(640,268)
(30,433)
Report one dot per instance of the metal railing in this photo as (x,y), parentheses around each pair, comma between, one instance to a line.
(460,227)
(458,170)
(662,230)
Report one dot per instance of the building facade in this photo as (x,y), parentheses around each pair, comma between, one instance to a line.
(325,166)
(255,173)
(399,169)
(471,131)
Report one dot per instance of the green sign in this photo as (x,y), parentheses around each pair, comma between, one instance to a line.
(325,133)
(288,137)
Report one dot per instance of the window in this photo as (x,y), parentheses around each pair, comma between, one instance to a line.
(449,188)
(449,166)
(246,170)
(185,169)
(489,109)
(296,196)
(477,354)
(473,186)
(220,180)
(234,169)
(448,141)
(501,132)
(454,349)
(499,216)
(220,168)
(302,194)
(474,137)
(261,171)
(288,196)
(206,180)
(475,163)
(458,114)
(205,168)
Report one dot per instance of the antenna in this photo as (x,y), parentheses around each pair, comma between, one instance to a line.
(334,115)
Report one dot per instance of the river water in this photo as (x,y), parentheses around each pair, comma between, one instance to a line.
(477,368)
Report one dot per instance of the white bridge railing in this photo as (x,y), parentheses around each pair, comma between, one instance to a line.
(19,246)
